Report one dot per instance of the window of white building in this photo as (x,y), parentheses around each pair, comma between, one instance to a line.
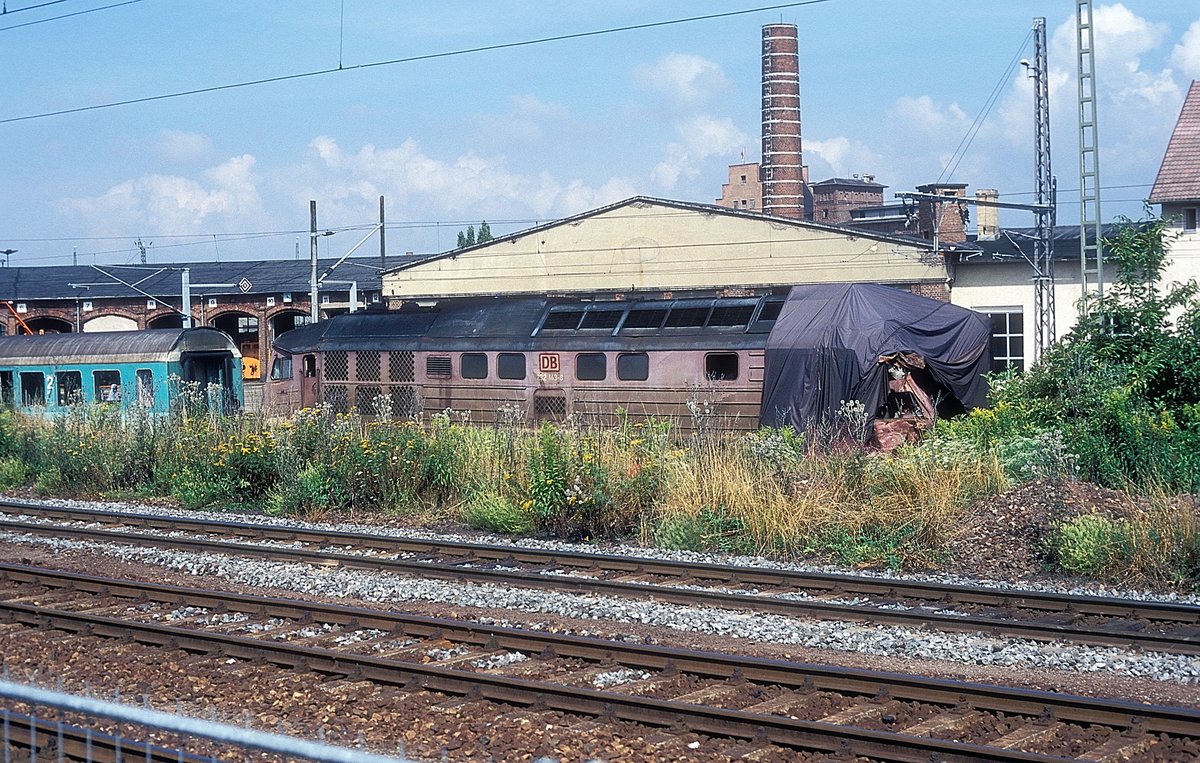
(1008,338)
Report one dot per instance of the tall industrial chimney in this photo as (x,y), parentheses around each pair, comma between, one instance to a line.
(785,191)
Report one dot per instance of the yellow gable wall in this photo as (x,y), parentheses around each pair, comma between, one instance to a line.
(645,245)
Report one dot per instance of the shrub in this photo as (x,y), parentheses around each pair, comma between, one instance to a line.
(13,473)
(491,511)
(1090,544)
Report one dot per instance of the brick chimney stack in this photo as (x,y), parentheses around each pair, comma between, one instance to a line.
(987,219)
(785,191)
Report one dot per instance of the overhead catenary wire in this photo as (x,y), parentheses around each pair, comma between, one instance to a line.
(965,144)
(65,15)
(410,59)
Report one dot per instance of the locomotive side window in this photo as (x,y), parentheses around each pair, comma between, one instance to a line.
(70,387)
(511,365)
(437,365)
(645,318)
(731,315)
(687,317)
(721,366)
(474,365)
(33,388)
(590,366)
(633,366)
(281,368)
(108,386)
(601,319)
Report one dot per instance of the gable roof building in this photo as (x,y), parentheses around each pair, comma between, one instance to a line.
(648,245)
(1177,186)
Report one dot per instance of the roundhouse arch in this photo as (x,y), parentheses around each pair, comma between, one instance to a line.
(110,322)
(243,327)
(166,321)
(46,324)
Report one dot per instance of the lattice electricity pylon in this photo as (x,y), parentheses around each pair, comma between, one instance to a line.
(1091,246)
(1043,252)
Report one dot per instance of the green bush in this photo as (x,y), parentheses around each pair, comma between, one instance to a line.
(491,511)
(708,530)
(13,473)
(1091,544)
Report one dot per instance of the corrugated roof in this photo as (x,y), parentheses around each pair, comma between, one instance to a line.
(264,277)
(1179,176)
(1017,243)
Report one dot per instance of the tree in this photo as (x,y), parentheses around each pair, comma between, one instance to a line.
(471,238)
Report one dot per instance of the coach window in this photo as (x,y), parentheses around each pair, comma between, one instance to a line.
(6,388)
(70,387)
(108,386)
(590,366)
(145,387)
(633,366)
(510,365)
(721,366)
(33,388)
(473,365)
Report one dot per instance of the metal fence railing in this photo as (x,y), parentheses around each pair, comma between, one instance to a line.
(42,726)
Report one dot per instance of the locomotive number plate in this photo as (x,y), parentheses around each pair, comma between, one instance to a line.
(548,362)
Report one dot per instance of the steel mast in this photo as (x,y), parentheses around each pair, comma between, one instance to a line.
(1091,249)
(1043,246)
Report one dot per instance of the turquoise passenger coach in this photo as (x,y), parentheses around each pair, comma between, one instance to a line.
(47,374)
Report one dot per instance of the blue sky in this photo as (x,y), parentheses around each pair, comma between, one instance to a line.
(530,133)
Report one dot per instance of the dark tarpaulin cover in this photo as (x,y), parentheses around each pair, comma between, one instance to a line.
(826,344)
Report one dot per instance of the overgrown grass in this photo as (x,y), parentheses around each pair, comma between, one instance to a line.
(773,492)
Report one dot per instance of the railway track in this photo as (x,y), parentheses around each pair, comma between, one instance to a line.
(1138,624)
(760,704)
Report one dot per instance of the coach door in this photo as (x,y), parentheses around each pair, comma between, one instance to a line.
(213,372)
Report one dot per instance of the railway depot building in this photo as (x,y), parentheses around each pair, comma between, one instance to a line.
(657,248)
(252,301)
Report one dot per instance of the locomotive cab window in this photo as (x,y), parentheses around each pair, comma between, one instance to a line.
(310,365)
(108,386)
(721,366)
(510,365)
(474,365)
(633,366)
(590,366)
(70,387)
(281,368)
(33,388)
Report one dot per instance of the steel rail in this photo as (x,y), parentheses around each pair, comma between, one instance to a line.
(52,740)
(813,608)
(759,728)
(705,664)
(843,584)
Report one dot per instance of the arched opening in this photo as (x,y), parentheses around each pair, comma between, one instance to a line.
(48,325)
(167,321)
(109,323)
(243,327)
(287,321)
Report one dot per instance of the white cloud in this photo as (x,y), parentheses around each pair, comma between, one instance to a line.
(1186,55)
(525,121)
(682,77)
(843,157)
(182,146)
(174,204)
(469,185)
(701,136)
